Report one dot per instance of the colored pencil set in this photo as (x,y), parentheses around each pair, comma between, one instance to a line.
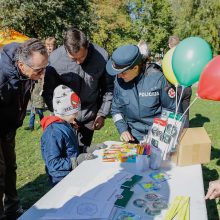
(143,149)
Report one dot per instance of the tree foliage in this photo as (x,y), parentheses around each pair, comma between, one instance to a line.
(198,18)
(45,18)
(112,23)
(152,20)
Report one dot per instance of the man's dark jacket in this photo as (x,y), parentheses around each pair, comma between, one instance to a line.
(89,80)
(15,91)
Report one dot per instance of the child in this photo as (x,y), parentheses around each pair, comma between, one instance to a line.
(59,144)
(37,104)
(50,44)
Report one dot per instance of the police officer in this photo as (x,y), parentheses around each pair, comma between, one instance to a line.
(139,95)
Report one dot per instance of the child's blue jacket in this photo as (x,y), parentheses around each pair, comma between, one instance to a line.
(59,144)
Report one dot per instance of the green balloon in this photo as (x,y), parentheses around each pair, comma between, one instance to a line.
(189,59)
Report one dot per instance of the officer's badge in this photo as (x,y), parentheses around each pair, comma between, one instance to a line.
(171,93)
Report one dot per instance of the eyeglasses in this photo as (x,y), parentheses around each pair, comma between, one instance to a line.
(37,70)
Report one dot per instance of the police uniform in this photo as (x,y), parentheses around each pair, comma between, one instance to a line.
(137,102)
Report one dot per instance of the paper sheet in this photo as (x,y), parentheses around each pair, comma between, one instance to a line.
(95,201)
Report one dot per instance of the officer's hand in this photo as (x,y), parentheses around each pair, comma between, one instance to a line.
(126,136)
(214,190)
(98,123)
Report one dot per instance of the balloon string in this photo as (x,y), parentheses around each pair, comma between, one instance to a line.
(181,94)
(177,107)
(176,85)
(168,147)
(175,121)
(178,103)
(189,107)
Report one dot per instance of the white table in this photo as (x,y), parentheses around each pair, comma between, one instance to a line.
(186,181)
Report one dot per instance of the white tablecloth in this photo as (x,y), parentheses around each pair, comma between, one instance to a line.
(186,181)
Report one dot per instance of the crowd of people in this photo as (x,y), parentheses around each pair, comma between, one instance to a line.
(80,85)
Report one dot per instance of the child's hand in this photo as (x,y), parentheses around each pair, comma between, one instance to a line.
(85,156)
(214,190)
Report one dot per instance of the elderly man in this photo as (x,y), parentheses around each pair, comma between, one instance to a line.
(80,65)
(20,66)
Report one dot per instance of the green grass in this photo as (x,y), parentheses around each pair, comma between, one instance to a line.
(32,182)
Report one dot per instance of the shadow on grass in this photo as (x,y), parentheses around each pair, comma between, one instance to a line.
(215,154)
(198,121)
(33,191)
(210,175)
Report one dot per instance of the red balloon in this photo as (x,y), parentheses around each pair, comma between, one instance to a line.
(209,82)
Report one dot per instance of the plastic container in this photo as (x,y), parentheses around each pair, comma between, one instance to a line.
(142,162)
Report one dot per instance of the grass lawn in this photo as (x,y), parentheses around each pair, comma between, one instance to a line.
(32,182)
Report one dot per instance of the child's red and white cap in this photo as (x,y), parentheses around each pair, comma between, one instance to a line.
(65,101)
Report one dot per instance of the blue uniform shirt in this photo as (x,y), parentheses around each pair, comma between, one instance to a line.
(137,102)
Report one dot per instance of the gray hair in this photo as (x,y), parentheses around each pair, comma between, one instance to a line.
(144,49)
(25,51)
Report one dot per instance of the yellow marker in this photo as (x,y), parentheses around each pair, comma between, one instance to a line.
(172,211)
(180,208)
(182,214)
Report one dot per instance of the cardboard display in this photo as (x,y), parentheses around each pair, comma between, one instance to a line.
(165,132)
(194,147)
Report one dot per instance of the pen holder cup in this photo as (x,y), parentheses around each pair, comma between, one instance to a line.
(155,158)
(142,163)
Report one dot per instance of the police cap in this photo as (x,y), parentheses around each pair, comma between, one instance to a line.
(123,59)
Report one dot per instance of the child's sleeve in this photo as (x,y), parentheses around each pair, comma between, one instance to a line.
(72,144)
(56,155)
